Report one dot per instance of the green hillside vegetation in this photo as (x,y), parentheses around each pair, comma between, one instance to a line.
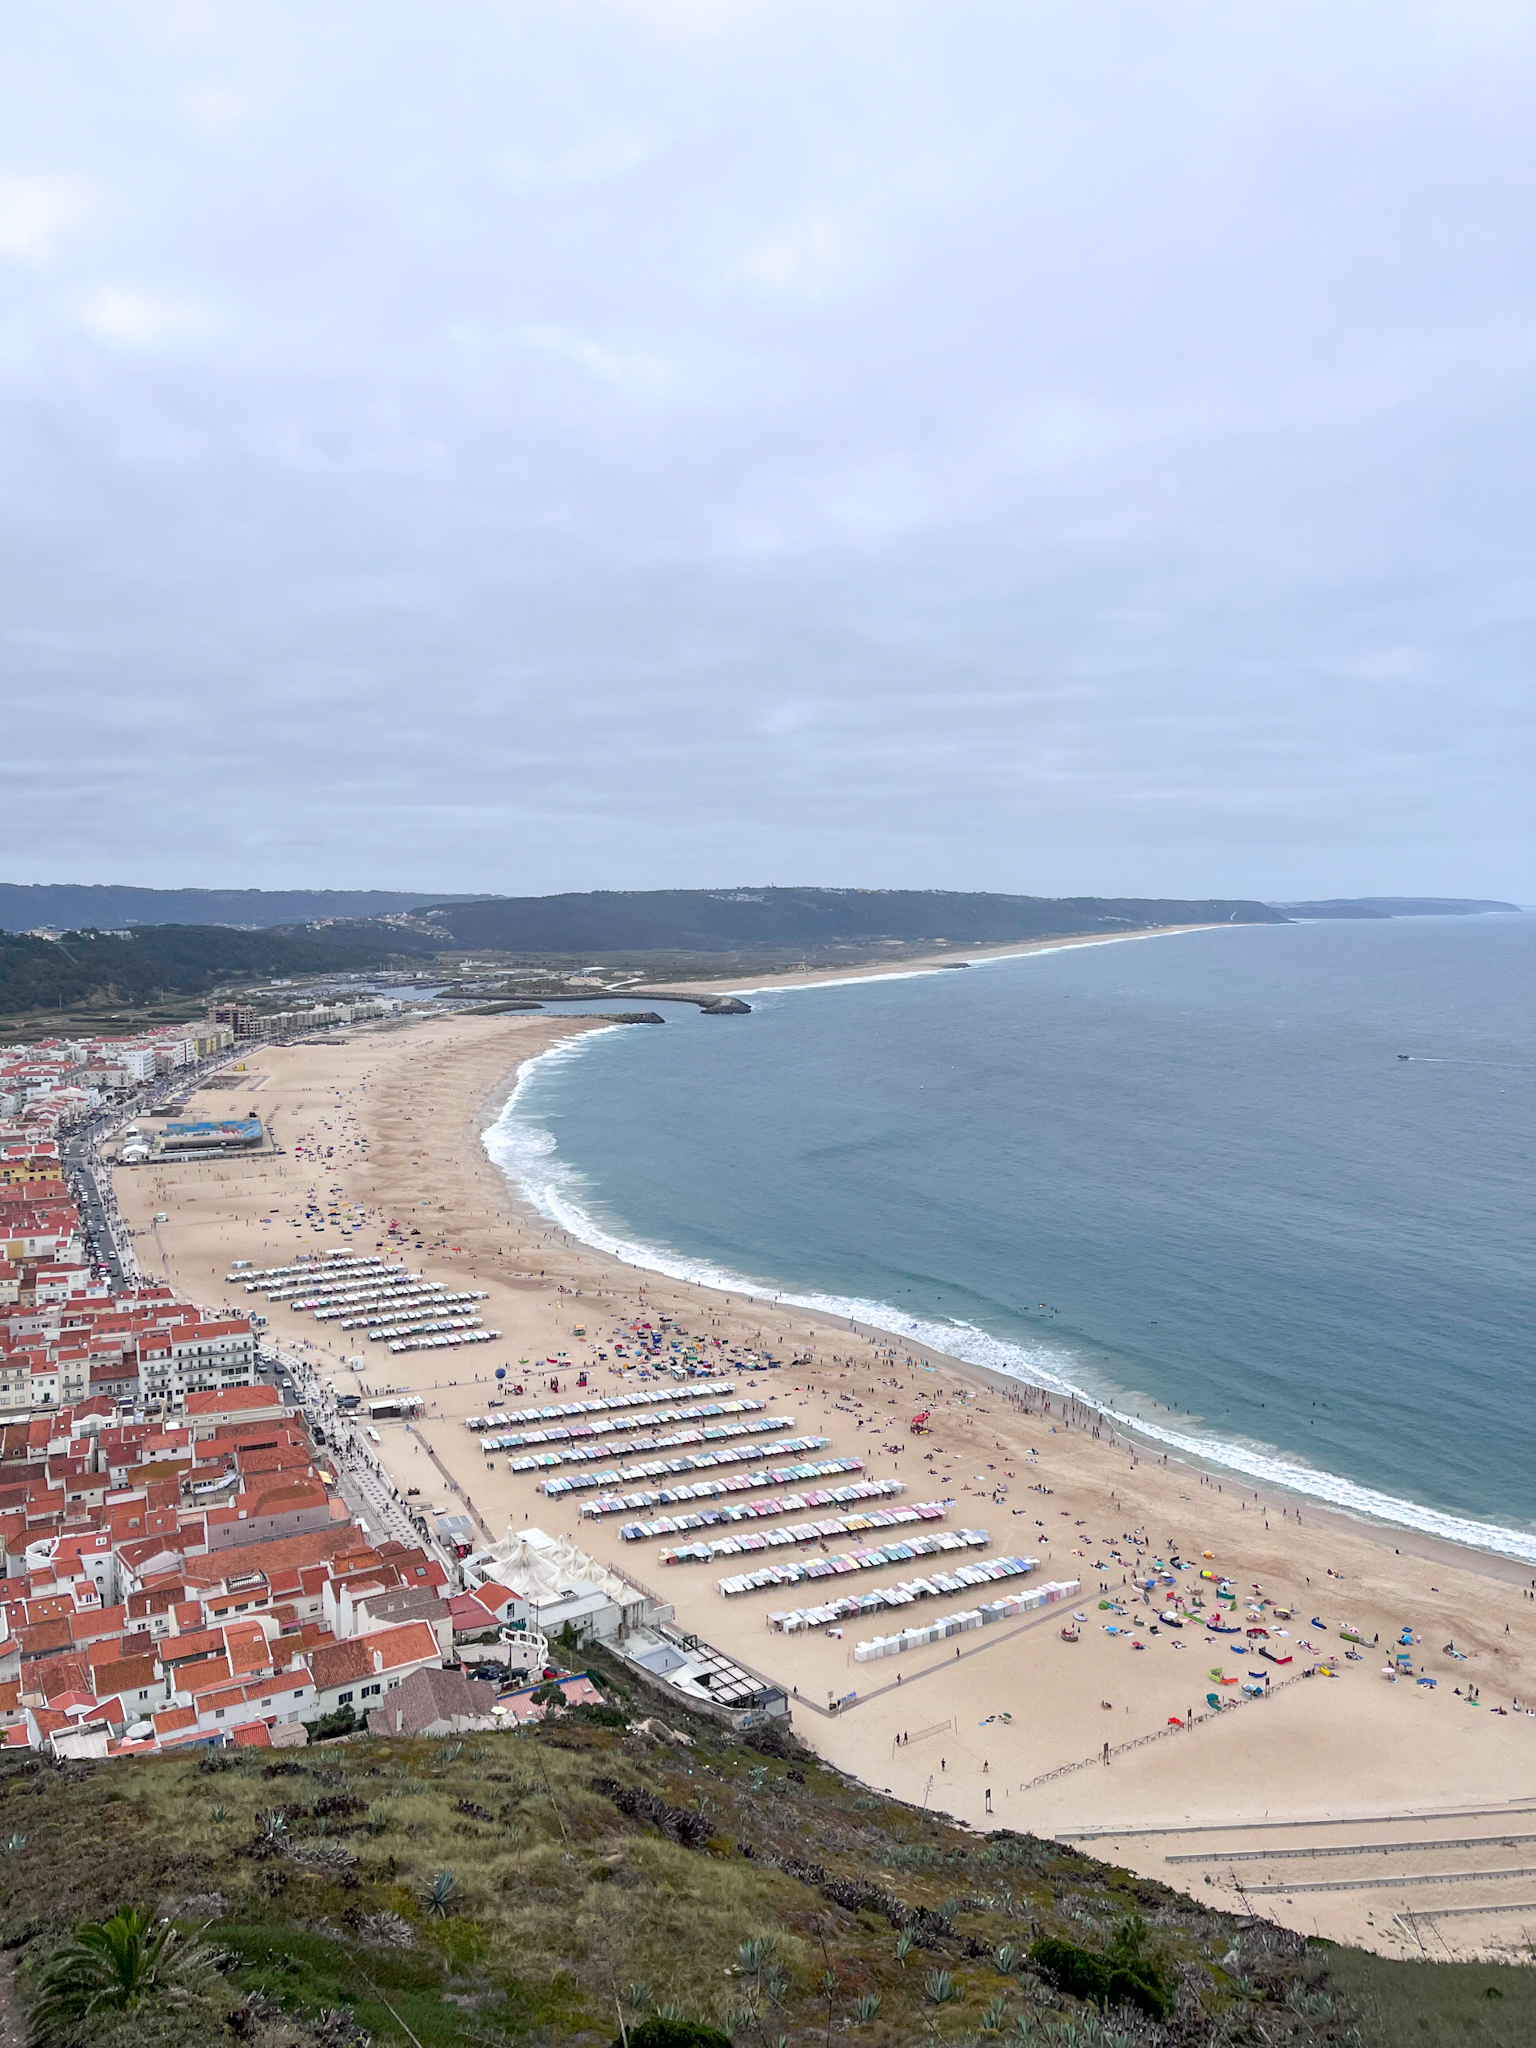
(587,1882)
(607,921)
(93,969)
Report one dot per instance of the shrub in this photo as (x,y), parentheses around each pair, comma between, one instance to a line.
(673,2033)
(596,1716)
(329,1726)
(1126,1978)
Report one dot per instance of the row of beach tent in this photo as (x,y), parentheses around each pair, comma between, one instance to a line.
(386,1287)
(671,1440)
(713,1489)
(438,1343)
(382,1315)
(417,1326)
(599,1404)
(803,1532)
(614,1425)
(762,1510)
(1011,1604)
(697,1461)
(373,1307)
(961,1579)
(276,1282)
(796,1570)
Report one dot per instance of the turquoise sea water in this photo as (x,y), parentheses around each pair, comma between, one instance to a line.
(1189,1176)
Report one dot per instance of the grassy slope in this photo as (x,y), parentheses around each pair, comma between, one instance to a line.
(562,1904)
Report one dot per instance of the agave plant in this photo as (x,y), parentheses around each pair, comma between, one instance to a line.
(1311,2004)
(114,1966)
(754,1955)
(391,1930)
(940,1988)
(15,1845)
(439,1894)
(1008,1959)
(903,1945)
(639,1997)
(995,2017)
(274,1825)
(1089,2032)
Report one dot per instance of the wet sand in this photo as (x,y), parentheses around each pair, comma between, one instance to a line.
(387,1127)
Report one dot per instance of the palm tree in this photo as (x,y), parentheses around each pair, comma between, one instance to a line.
(114,1966)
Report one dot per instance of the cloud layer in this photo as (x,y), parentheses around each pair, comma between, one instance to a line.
(562,446)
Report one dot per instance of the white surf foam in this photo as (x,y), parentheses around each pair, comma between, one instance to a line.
(526,1150)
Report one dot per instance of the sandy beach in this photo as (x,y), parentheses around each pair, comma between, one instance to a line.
(1406,1787)
(952,958)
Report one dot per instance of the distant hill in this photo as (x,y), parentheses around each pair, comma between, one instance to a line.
(722,920)
(70,906)
(1394,906)
(84,970)
(91,967)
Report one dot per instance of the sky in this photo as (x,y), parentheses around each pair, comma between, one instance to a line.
(979,444)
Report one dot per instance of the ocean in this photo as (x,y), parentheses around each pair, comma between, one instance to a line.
(1189,1177)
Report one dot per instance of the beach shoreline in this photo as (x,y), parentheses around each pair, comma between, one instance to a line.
(926,963)
(391,1126)
(1501,1551)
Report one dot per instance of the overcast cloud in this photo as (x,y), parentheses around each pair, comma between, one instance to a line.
(1025,446)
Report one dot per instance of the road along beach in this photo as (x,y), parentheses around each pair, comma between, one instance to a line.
(1008,1725)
